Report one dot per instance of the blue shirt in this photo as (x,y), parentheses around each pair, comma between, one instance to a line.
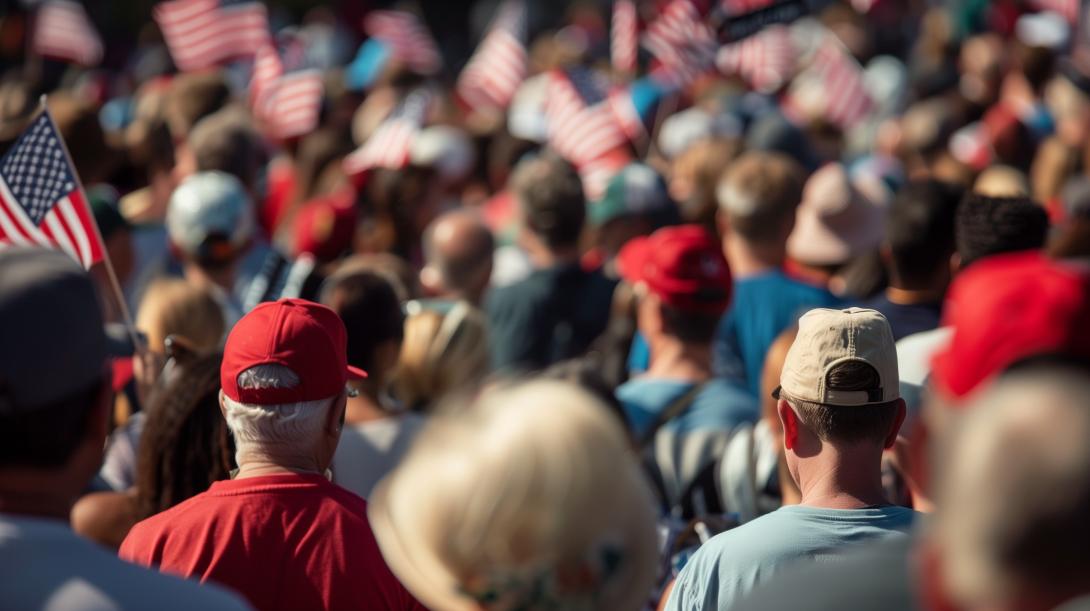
(721,404)
(726,568)
(762,307)
(691,441)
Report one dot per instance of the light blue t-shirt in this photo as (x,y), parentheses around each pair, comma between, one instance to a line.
(731,564)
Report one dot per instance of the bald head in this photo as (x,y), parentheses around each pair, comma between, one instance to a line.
(458,247)
(1012,525)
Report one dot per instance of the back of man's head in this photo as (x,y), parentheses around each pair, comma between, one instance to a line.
(840,376)
(551,200)
(1012,529)
(52,364)
(993,225)
(458,247)
(920,232)
(192,97)
(283,374)
(226,141)
(759,194)
(371,311)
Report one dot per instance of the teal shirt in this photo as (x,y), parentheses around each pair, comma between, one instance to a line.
(726,568)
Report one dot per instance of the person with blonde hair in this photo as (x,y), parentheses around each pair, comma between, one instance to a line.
(443,352)
(189,316)
(527,498)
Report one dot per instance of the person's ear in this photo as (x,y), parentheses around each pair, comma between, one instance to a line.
(891,436)
(955,263)
(335,416)
(885,253)
(223,406)
(722,222)
(790,421)
(431,280)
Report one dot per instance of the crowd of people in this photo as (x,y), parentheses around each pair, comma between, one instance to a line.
(764,353)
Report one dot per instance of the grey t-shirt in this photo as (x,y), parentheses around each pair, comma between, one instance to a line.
(731,564)
(44,566)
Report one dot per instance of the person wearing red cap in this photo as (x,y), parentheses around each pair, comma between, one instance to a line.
(677,408)
(279,522)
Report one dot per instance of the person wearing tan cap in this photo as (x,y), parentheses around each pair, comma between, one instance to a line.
(840,407)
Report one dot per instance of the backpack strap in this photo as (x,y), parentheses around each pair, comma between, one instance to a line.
(676,407)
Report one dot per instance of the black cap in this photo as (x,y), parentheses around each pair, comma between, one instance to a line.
(51,325)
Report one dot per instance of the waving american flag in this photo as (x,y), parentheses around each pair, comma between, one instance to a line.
(204,33)
(40,199)
(498,67)
(285,92)
(62,30)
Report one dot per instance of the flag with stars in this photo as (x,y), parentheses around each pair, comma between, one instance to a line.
(40,199)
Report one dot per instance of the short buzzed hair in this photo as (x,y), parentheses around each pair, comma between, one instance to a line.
(550,196)
(847,424)
(1014,490)
(989,226)
(227,141)
(759,193)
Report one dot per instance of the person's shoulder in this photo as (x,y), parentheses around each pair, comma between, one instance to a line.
(148,589)
(724,389)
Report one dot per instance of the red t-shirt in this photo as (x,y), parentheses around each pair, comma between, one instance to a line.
(288,542)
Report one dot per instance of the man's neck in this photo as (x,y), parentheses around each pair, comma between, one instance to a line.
(672,359)
(547,259)
(902,296)
(261,468)
(842,478)
(748,259)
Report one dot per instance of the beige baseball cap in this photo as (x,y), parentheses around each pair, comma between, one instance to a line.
(828,338)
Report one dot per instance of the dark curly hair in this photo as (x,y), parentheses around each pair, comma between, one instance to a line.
(185,445)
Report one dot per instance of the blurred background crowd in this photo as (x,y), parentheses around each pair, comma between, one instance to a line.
(632,203)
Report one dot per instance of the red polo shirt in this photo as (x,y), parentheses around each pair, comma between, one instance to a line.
(286,542)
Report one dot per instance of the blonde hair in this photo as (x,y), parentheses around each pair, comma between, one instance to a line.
(441,354)
(175,307)
(530,498)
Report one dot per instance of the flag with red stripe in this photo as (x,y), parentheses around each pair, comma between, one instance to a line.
(388,146)
(63,30)
(682,43)
(624,36)
(581,122)
(289,100)
(40,199)
(765,60)
(408,38)
(204,33)
(847,100)
(498,66)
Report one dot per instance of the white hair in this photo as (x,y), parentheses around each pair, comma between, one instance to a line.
(273,432)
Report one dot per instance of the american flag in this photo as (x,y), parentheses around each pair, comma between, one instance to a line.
(846,98)
(682,42)
(1068,9)
(766,60)
(624,36)
(498,67)
(40,199)
(409,40)
(581,123)
(288,100)
(204,33)
(63,30)
(388,146)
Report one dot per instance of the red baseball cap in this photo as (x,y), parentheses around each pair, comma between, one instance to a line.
(1006,308)
(682,265)
(301,335)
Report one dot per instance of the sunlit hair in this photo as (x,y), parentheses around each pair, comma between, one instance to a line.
(441,354)
(1014,492)
(275,433)
(175,307)
(528,497)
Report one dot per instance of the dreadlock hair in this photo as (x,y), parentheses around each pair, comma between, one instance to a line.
(185,445)
(994,225)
